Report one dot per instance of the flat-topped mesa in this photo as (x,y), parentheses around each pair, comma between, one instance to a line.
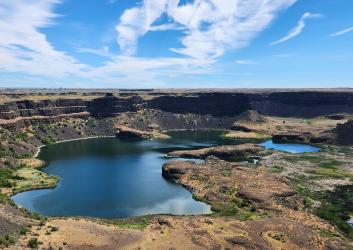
(125,133)
(229,152)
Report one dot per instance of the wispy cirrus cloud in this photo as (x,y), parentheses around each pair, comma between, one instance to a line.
(245,62)
(207,29)
(342,32)
(211,27)
(297,29)
(23,47)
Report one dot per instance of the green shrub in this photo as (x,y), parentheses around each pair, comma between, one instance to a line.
(7,240)
(33,243)
(23,230)
(6,174)
(47,141)
(275,169)
(23,136)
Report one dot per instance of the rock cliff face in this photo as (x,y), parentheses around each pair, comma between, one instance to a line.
(110,105)
(217,104)
(303,103)
(42,108)
(344,133)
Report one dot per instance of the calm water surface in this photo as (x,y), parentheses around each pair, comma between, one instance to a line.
(109,178)
(290,147)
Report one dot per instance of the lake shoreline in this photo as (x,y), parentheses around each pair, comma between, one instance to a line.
(68,140)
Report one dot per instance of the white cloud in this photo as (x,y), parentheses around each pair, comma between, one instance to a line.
(342,32)
(212,26)
(105,52)
(298,29)
(208,29)
(245,62)
(167,26)
(23,47)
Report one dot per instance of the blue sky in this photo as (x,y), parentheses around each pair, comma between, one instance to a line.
(176,44)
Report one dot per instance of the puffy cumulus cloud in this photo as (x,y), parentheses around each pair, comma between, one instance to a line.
(297,29)
(211,26)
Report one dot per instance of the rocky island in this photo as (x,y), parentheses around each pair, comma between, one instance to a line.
(281,201)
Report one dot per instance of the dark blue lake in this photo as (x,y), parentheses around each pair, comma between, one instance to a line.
(109,178)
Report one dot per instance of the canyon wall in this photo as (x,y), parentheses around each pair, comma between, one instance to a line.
(216,104)
(304,104)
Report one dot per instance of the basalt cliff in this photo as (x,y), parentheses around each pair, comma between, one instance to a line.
(218,104)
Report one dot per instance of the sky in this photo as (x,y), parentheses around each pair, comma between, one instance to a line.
(176,43)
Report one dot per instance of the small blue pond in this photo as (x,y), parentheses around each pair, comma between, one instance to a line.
(294,148)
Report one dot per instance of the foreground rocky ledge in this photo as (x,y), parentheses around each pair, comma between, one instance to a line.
(260,200)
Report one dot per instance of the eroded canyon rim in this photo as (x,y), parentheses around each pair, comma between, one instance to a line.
(284,201)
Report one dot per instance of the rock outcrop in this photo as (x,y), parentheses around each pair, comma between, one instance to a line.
(126,133)
(344,133)
(226,187)
(229,152)
(249,117)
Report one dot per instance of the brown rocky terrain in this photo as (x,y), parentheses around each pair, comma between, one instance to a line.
(124,132)
(239,152)
(281,202)
(252,124)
